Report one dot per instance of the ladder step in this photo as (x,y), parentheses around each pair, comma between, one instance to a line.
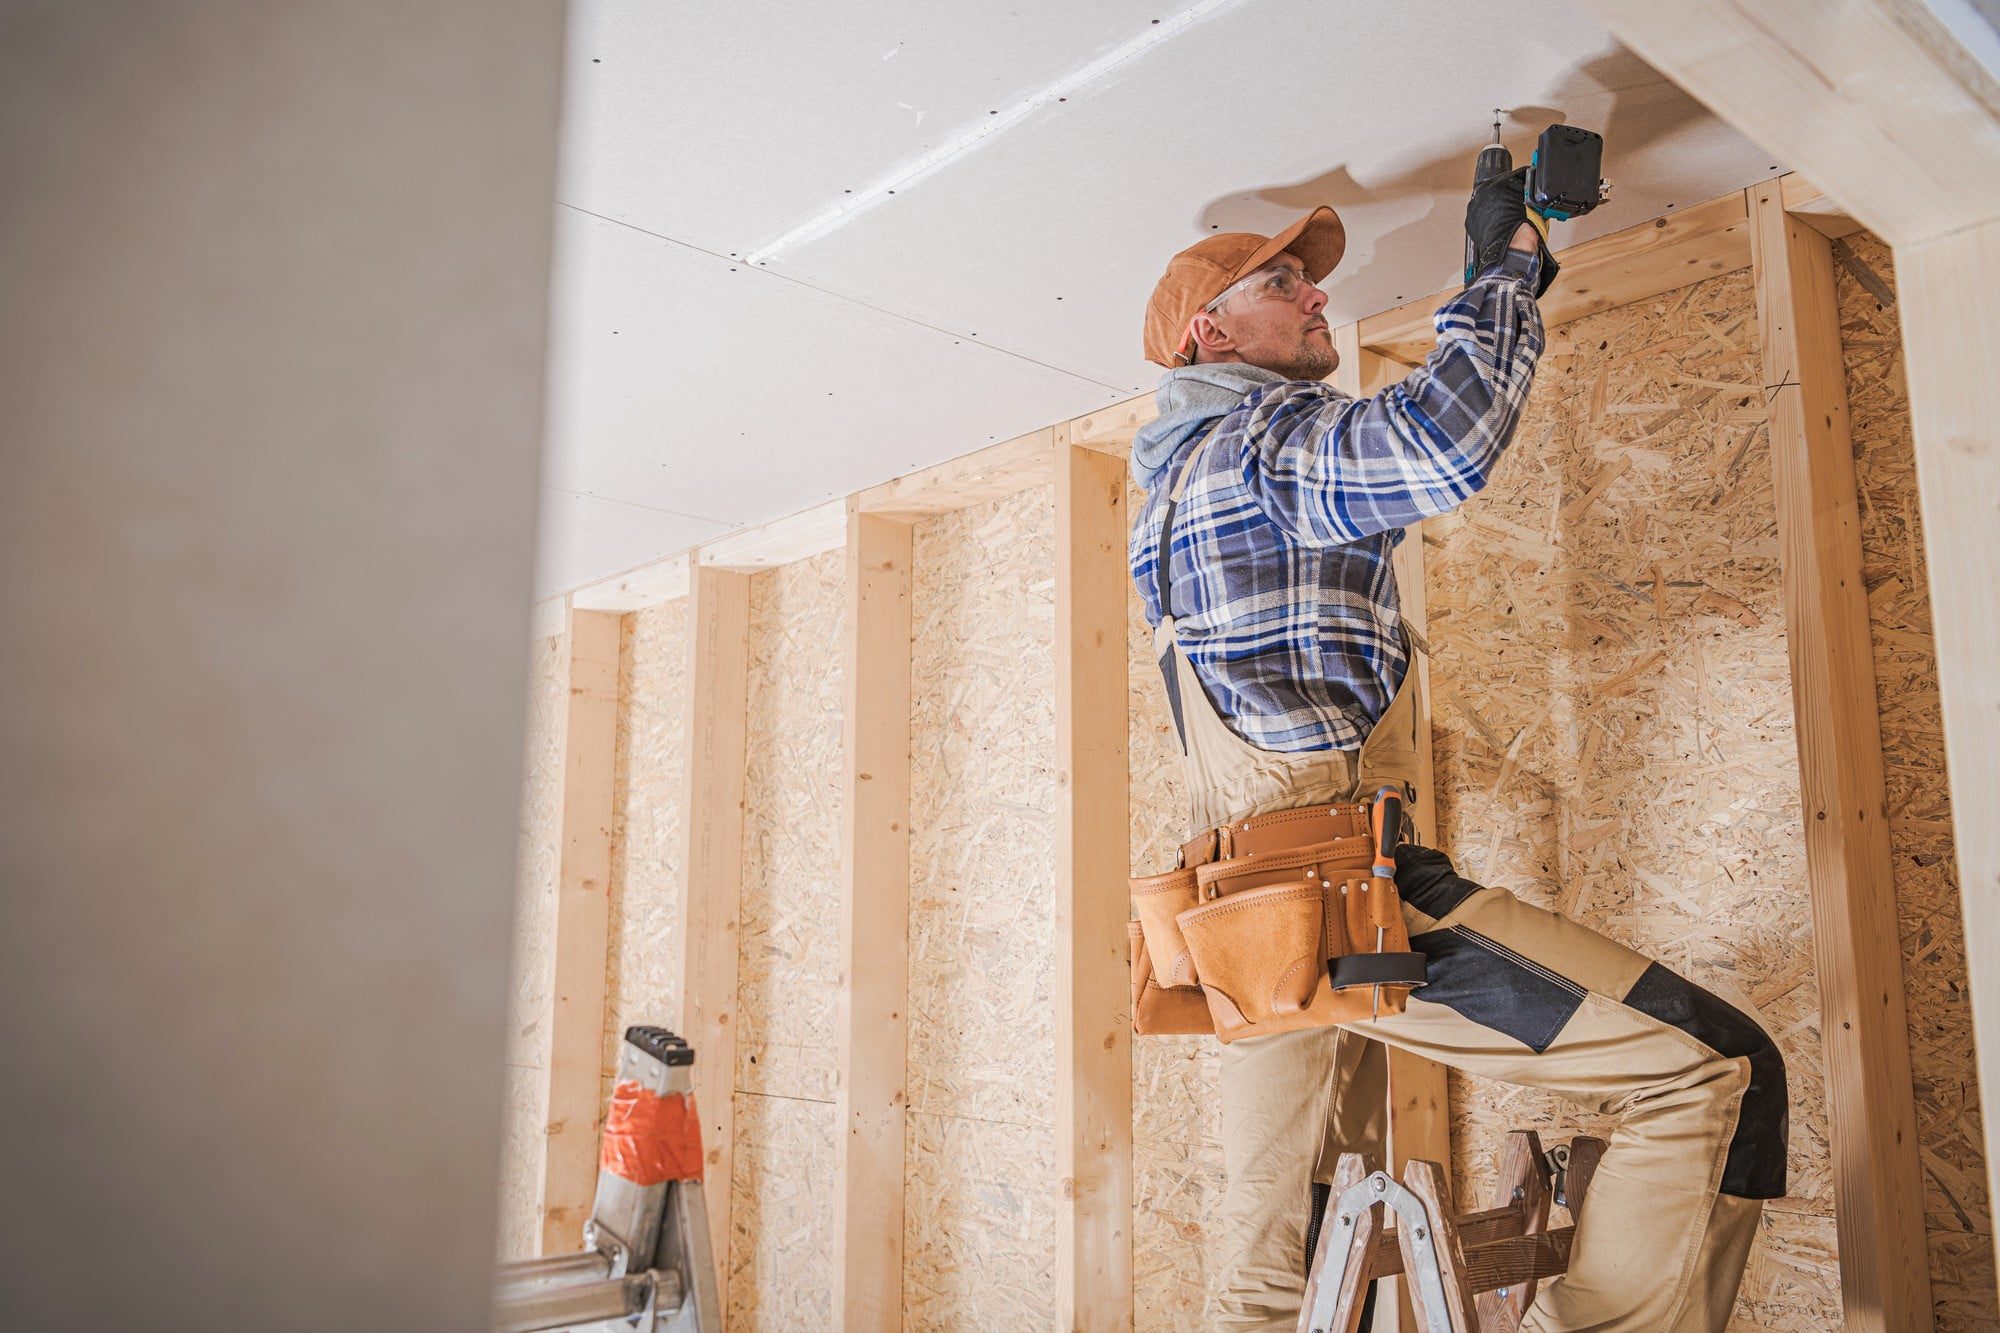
(1495,1263)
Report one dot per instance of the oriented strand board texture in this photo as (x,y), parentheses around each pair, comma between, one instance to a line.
(1957,1210)
(781,1220)
(1613,717)
(642,981)
(1176,1107)
(980,1188)
(532,970)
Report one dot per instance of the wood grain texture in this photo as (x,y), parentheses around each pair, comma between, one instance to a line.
(1093,1019)
(1950,333)
(872,1002)
(582,928)
(789,957)
(977,478)
(1958,1208)
(982,1190)
(1872,99)
(712,806)
(1871,1114)
(649,843)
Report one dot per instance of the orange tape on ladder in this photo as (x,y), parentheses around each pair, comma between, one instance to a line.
(649,1139)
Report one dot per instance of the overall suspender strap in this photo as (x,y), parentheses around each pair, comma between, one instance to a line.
(1162,571)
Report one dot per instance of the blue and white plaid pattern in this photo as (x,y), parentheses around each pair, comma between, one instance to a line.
(1282,592)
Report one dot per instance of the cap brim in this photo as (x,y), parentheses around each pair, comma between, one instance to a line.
(1319,239)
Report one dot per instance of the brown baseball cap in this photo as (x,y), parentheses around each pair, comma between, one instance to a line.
(1203,271)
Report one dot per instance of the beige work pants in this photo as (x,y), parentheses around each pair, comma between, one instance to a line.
(1516,994)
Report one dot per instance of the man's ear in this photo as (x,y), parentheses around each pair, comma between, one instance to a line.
(1208,335)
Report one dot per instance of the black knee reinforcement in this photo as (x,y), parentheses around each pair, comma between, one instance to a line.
(1755,1168)
(1428,883)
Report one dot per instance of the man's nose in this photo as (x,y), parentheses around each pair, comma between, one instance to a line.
(1315,299)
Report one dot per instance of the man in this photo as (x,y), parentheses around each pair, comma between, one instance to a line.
(1288,666)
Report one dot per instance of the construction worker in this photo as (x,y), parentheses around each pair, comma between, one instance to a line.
(1290,673)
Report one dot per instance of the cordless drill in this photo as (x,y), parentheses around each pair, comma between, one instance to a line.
(1563,175)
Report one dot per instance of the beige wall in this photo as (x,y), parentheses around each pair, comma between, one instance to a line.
(274,282)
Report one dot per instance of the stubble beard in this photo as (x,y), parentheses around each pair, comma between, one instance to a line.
(1313,362)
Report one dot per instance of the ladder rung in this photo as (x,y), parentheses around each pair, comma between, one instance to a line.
(1499,1261)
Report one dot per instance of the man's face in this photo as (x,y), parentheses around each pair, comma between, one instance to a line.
(1272,321)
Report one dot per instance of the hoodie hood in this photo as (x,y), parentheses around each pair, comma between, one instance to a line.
(1191,398)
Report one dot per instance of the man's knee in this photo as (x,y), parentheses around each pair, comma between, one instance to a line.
(1755,1166)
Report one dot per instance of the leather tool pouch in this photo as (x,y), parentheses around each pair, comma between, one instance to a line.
(1271,942)
(1160,1011)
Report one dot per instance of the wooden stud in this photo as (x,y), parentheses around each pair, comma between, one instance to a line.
(1871,1113)
(576,1020)
(872,1005)
(714,721)
(1093,1022)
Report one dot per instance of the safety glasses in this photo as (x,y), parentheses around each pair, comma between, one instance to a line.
(1275,282)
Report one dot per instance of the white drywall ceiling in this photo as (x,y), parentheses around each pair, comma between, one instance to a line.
(727,350)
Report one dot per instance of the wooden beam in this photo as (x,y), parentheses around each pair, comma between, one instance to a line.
(797,536)
(985,474)
(715,704)
(548,618)
(1872,99)
(1093,1001)
(1601,273)
(650,584)
(872,1005)
(1871,1114)
(1812,206)
(1111,428)
(576,1018)
(1951,342)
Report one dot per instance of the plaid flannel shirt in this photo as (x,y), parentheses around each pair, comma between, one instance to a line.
(1283,597)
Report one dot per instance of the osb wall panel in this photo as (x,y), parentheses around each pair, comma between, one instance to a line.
(781,1220)
(1176,1109)
(1613,715)
(538,863)
(642,982)
(1957,1210)
(979,1195)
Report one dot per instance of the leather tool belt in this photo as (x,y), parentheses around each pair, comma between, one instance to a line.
(1273,923)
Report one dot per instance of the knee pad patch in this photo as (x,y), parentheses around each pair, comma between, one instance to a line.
(1755,1167)
(1426,880)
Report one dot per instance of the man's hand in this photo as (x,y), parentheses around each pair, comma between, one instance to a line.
(1498,219)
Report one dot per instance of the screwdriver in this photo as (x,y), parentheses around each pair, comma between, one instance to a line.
(1386,820)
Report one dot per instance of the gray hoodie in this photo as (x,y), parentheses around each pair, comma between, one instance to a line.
(1191,398)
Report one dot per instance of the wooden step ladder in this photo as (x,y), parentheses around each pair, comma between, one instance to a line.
(1468,1273)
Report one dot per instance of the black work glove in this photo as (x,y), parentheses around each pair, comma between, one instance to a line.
(1496,211)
